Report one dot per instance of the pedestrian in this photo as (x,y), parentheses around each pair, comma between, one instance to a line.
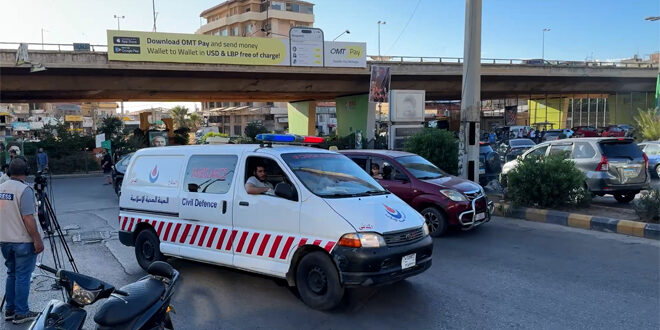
(532,134)
(42,160)
(492,137)
(20,241)
(106,165)
(542,135)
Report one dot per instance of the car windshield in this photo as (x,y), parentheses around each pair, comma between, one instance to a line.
(517,143)
(332,175)
(421,168)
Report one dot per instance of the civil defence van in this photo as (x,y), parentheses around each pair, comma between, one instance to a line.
(326,226)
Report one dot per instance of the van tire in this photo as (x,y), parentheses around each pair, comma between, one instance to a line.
(436,220)
(318,282)
(147,248)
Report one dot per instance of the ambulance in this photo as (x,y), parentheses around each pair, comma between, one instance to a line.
(325,226)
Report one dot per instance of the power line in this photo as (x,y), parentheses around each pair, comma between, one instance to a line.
(405,26)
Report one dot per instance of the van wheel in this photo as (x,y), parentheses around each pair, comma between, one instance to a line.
(147,248)
(318,281)
(624,198)
(436,221)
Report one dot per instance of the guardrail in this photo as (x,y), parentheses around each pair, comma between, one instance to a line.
(390,59)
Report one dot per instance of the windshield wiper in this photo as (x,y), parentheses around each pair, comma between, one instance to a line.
(374,193)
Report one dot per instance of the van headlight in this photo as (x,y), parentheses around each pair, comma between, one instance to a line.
(83,296)
(367,240)
(425,227)
(453,195)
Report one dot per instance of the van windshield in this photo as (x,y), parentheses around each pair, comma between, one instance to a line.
(332,175)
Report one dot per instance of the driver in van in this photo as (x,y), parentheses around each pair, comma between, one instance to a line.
(257,183)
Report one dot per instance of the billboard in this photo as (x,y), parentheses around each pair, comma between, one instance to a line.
(73,118)
(157,139)
(195,48)
(379,84)
(407,106)
(20,126)
(345,54)
(306,46)
(510,115)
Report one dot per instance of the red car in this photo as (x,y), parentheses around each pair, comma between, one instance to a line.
(443,199)
(613,131)
(585,131)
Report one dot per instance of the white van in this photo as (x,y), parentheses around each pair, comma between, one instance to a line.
(326,226)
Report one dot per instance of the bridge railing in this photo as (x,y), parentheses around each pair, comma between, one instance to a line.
(389,59)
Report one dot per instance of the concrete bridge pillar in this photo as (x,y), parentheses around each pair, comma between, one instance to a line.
(355,113)
(302,117)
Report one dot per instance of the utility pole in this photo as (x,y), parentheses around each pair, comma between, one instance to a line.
(153,4)
(379,24)
(42,38)
(471,93)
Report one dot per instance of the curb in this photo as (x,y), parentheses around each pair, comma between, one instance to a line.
(583,221)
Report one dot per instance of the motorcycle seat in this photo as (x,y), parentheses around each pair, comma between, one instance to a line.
(141,296)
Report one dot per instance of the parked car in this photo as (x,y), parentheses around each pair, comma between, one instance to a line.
(554,134)
(489,164)
(585,131)
(514,148)
(627,129)
(443,199)
(652,151)
(613,131)
(118,171)
(614,166)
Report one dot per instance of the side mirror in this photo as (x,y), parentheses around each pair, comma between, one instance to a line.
(286,191)
(193,187)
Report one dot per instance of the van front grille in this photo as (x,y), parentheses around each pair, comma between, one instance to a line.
(404,237)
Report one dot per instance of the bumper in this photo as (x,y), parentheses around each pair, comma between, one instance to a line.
(380,266)
(468,219)
(601,185)
(126,238)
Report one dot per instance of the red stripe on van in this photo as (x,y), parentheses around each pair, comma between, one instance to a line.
(160,227)
(317,242)
(241,242)
(153,223)
(302,242)
(176,232)
(130,225)
(222,239)
(255,236)
(201,238)
(231,240)
(264,243)
(329,246)
(123,224)
(276,244)
(287,246)
(167,231)
(185,233)
(210,242)
(194,235)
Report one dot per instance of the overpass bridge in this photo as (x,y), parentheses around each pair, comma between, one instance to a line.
(80,76)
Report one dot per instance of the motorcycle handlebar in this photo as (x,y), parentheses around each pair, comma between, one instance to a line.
(46,268)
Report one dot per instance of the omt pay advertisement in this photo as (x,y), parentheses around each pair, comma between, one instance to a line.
(195,48)
(345,54)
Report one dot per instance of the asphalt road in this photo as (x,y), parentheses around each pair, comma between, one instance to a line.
(506,274)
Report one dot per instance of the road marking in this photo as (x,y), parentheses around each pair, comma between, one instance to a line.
(631,228)
(579,221)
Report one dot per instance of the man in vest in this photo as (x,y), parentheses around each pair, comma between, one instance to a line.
(20,240)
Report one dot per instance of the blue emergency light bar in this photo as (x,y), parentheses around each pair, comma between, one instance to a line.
(289,138)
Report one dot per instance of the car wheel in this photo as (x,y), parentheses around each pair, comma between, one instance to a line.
(436,221)
(118,187)
(317,281)
(147,248)
(624,198)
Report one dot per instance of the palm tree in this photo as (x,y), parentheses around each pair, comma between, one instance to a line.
(194,121)
(179,114)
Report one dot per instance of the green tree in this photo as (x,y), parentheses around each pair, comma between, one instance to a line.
(648,124)
(253,128)
(440,147)
(195,121)
(179,116)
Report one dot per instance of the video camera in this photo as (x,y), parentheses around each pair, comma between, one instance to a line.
(40,181)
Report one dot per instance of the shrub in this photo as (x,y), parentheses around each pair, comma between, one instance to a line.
(547,182)
(648,124)
(211,134)
(440,147)
(254,128)
(648,206)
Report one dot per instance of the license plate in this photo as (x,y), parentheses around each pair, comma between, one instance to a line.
(408,261)
(629,173)
(481,216)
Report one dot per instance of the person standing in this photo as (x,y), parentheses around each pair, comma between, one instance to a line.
(106,165)
(42,160)
(20,241)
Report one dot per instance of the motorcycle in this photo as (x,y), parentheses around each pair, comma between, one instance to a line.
(144,304)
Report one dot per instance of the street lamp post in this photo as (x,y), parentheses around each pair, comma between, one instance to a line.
(543,46)
(42,37)
(379,24)
(345,32)
(118,18)
(153,5)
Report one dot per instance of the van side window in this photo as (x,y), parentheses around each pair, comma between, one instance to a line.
(273,176)
(210,174)
(583,150)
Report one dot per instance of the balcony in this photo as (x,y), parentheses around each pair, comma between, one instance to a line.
(254,16)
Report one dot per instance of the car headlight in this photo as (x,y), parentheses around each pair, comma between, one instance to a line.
(356,240)
(83,296)
(453,195)
(425,227)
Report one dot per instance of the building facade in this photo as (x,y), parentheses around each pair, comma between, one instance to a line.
(252,18)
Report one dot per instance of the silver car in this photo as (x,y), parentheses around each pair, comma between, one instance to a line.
(614,166)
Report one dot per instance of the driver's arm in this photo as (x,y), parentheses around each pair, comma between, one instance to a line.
(254,190)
